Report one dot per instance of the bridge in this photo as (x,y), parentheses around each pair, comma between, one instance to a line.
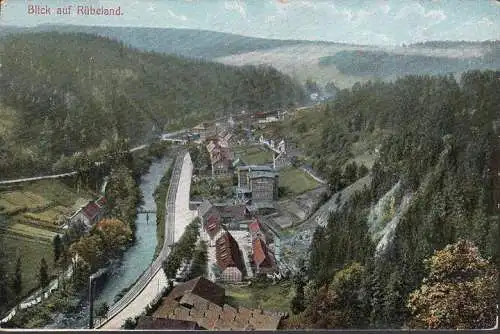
(280,158)
(142,211)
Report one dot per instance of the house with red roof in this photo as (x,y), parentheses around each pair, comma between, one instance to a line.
(90,214)
(229,258)
(262,258)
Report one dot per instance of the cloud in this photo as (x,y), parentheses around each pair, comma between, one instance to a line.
(237,6)
(416,10)
(438,15)
(175,16)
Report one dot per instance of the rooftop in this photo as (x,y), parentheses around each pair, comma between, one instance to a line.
(260,174)
(204,208)
(228,252)
(202,287)
(263,168)
(91,210)
(194,308)
(165,323)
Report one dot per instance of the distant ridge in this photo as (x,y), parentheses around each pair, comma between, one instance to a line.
(191,43)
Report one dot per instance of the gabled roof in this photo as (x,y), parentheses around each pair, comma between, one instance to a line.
(204,208)
(211,146)
(260,255)
(201,287)
(164,323)
(236,212)
(262,174)
(228,253)
(91,210)
(102,201)
(254,227)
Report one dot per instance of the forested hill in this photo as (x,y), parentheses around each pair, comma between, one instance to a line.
(432,184)
(78,89)
(190,43)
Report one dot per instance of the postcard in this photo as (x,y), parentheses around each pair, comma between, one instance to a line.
(249,164)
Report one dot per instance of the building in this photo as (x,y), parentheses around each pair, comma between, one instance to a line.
(220,158)
(210,217)
(201,287)
(163,323)
(262,258)
(205,130)
(229,258)
(191,305)
(258,183)
(89,214)
(225,138)
(229,215)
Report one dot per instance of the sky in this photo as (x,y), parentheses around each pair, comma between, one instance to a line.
(381,22)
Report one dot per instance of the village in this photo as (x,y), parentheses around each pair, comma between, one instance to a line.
(240,227)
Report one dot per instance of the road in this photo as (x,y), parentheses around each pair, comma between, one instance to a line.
(58,176)
(150,284)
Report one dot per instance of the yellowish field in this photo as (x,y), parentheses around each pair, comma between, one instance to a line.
(43,203)
(31,232)
(24,199)
(51,215)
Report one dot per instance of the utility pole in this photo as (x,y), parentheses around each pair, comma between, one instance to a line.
(91,302)
(91,295)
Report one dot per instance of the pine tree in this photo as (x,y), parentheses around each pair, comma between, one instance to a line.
(46,140)
(18,279)
(58,247)
(43,275)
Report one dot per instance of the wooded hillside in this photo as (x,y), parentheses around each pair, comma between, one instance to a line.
(437,164)
(62,93)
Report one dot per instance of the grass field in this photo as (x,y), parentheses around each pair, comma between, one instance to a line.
(296,180)
(253,155)
(31,232)
(31,253)
(269,297)
(28,224)
(43,203)
(51,215)
(58,192)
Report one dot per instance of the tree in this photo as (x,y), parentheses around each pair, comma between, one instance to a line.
(81,272)
(18,280)
(102,310)
(58,247)
(114,234)
(4,289)
(458,292)
(299,280)
(90,249)
(339,304)
(43,276)
(199,266)
(129,324)
(45,141)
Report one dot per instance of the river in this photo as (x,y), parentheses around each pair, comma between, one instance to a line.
(135,260)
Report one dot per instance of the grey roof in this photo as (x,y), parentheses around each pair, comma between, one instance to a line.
(256,174)
(254,168)
(204,207)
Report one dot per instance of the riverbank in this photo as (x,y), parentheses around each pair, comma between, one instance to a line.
(127,268)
